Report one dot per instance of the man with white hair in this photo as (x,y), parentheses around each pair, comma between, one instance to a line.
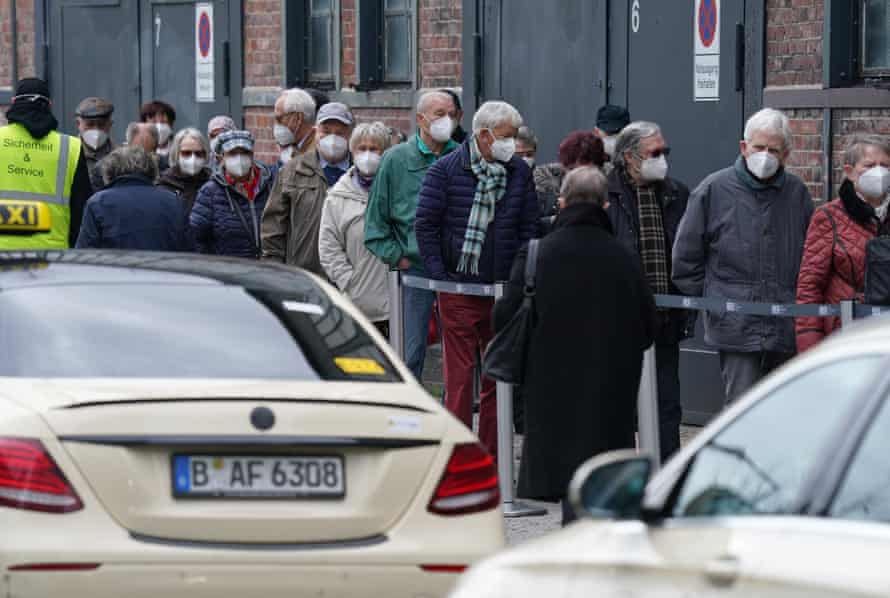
(294,119)
(742,238)
(477,207)
(392,205)
(645,208)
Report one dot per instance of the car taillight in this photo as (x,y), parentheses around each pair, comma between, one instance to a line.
(31,480)
(470,483)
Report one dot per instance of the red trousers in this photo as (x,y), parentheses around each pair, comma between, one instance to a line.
(466,332)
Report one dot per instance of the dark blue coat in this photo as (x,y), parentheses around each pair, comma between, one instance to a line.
(443,210)
(216,225)
(131,213)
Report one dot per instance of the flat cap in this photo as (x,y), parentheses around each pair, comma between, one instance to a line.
(230,140)
(335,111)
(94,108)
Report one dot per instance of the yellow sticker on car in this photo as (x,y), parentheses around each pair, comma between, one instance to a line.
(24,217)
(359,366)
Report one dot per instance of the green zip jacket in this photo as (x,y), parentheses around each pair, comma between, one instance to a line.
(392,204)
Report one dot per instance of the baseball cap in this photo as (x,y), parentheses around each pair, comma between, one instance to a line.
(611,118)
(335,111)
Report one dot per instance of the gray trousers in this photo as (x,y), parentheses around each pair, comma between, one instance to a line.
(741,371)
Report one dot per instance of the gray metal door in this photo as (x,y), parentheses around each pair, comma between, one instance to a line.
(168,44)
(652,61)
(547,59)
(93,51)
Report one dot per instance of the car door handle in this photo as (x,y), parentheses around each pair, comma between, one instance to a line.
(723,571)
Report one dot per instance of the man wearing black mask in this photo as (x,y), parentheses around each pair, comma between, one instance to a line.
(44,166)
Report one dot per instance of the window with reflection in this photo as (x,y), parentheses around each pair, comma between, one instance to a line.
(760,462)
(320,40)
(398,36)
(865,492)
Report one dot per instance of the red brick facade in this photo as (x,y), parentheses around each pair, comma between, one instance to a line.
(438,62)
(25,50)
(794,41)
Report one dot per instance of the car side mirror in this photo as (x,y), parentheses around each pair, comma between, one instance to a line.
(611,486)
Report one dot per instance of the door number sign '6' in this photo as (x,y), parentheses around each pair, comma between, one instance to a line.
(635,16)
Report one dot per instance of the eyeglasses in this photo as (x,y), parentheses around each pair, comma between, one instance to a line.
(665,151)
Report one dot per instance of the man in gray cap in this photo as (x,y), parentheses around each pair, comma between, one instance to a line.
(292,218)
(94,125)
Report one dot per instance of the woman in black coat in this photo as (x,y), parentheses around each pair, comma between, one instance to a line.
(595,318)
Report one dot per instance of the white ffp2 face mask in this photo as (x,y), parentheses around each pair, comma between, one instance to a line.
(333,148)
(283,135)
(94,138)
(238,166)
(164,132)
(502,150)
(368,163)
(191,165)
(763,165)
(609,145)
(441,129)
(653,170)
(286,154)
(874,182)
(530,161)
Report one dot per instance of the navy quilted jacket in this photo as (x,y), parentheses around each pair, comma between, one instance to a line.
(217,227)
(443,210)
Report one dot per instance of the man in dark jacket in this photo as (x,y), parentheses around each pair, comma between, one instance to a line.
(595,318)
(94,124)
(645,207)
(742,238)
(130,212)
(477,206)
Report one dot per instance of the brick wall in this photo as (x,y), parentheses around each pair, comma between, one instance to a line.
(25,50)
(262,43)
(438,58)
(807,157)
(794,41)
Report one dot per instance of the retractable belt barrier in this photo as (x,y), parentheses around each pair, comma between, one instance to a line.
(647,402)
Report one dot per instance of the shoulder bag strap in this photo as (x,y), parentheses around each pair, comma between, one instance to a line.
(237,209)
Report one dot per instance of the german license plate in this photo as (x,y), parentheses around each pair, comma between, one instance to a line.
(216,476)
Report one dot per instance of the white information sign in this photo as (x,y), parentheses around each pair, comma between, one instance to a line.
(204,71)
(706,35)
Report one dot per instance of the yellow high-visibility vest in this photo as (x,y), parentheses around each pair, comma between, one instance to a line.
(40,170)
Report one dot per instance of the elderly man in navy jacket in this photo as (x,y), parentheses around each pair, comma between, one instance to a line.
(477,207)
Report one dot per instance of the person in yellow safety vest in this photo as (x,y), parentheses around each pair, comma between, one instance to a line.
(37,163)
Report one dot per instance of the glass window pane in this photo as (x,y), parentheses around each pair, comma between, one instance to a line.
(321,5)
(396,4)
(398,48)
(875,25)
(168,331)
(865,493)
(321,46)
(759,463)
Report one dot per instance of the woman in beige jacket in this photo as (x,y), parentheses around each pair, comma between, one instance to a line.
(341,242)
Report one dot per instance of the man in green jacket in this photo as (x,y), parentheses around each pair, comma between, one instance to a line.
(392,206)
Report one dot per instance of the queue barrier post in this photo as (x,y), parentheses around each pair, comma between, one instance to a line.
(396,314)
(512,508)
(647,408)
(847,314)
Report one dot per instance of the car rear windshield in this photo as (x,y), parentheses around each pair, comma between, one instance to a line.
(183,331)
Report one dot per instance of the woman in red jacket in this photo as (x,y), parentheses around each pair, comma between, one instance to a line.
(833,267)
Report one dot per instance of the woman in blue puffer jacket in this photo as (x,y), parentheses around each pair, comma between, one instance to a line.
(229,207)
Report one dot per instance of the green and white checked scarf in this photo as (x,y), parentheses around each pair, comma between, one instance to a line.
(490,188)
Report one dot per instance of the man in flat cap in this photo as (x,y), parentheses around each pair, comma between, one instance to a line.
(292,218)
(43,166)
(94,124)
(610,120)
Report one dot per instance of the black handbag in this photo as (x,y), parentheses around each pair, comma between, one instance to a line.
(506,356)
(877,271)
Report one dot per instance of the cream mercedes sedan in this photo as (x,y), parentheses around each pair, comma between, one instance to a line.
(173,425)
(785,495)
